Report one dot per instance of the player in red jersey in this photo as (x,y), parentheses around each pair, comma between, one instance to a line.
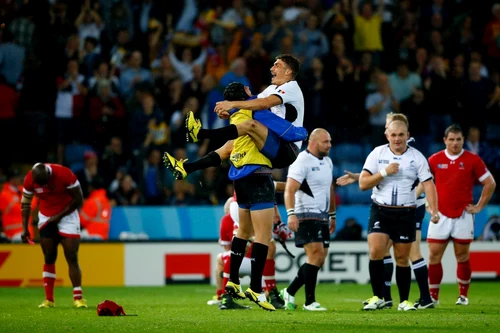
(60,196)
(455,172)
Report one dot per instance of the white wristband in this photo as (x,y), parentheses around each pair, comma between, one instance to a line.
(275,183)
(383,172)
(290,211)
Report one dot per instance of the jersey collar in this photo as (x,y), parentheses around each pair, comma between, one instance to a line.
(453,157)
(309,152)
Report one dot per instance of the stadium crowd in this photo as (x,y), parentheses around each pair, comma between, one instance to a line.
(103,86)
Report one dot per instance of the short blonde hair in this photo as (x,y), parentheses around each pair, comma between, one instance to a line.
(393,116)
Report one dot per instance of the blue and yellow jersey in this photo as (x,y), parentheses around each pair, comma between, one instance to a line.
(245,157)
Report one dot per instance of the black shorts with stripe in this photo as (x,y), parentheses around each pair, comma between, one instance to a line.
(399,223)
(312,231)
(419,216)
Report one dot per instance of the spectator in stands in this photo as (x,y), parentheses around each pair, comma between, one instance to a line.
(89,24)
(120,50)
(95,214)
(367,28)
(236,73)
(114,158)
(91,57)
(403,83)
(153,175)
(102,72)
(439,91)
(127,193)
(133,74)
(141,121)
(184,66)
(258,63)
(492,36)
(378,105)
(310,42)
(89,173)
(69,106)
(11,58)
(23,28)
(352,231)
(9,99)
(106,115)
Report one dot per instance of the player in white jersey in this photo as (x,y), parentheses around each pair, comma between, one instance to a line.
(310,203)
(393,172)
(273,132)
(417,261)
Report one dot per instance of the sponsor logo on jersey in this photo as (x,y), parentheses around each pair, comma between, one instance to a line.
(442,166)
(315,168)
(383,161)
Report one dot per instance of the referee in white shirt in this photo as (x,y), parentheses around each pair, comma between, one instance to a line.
(310,203)
(393,172)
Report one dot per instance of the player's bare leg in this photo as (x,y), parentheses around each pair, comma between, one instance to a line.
(70,247)
(462,253)
(436,251)
(255,130)
(49,248)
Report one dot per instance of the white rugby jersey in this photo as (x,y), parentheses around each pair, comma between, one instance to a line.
(316,176)
(397,189)
(290,93)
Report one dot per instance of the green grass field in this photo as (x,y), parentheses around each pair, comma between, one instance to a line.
(182,308)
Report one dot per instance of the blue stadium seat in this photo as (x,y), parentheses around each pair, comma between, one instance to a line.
(355,167)
(77,166)
(355,196)
(476,192)
(435,147)
(351,152)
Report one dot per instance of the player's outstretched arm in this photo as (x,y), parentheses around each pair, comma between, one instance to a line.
(222,108)
(348,178)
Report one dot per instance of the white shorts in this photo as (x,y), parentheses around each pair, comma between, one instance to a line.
(460,229)
(69,226)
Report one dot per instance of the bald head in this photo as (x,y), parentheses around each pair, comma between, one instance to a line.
(316,133)
(41,174)
(320,142)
